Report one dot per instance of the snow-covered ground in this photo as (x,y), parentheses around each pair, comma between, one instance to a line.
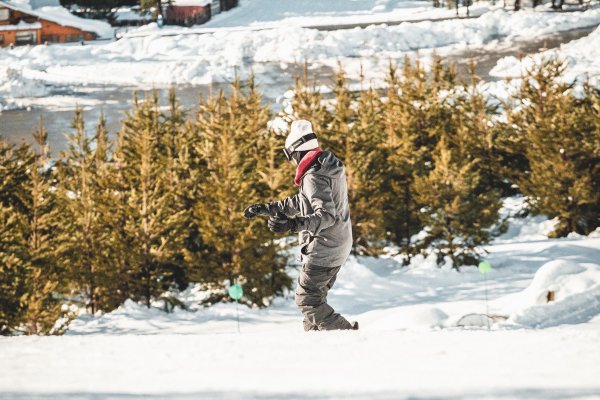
(423,335)
(216,56)
(581,57)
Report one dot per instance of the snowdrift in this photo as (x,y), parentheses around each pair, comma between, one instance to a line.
(581,57)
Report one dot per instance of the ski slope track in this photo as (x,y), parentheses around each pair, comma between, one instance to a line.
(410,344)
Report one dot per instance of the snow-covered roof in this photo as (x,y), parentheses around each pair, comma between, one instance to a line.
(61,16)
(21,26)
(191,2)
(44,3)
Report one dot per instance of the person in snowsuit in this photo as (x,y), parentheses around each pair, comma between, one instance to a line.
(320,214)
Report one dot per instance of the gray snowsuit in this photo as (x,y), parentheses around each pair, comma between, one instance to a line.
(325,236)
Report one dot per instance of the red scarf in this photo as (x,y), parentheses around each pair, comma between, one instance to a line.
(305,164)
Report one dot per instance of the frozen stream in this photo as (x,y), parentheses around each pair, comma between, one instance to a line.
(56,110)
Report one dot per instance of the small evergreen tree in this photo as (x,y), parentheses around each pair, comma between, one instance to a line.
(458,215)
(41,299)
(366,202)
(561,134)
(240,251)
(150,226)
(15,162)
(82,233)
(13,258)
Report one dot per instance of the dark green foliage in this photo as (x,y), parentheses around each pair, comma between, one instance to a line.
(13,255)
(151,220)
(239,251)
(457,211)
(28,266)
(559,134)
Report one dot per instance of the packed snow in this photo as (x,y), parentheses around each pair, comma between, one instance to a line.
(425,332)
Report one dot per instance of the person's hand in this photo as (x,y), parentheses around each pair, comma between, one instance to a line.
(256,209)
(281,223)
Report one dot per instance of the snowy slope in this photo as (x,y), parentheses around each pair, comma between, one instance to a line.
(581,56)
(414,341)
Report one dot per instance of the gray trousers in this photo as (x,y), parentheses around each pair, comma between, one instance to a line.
(311,296)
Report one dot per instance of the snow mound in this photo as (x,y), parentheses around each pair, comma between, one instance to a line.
(14,86)
(581,57)
(562,291)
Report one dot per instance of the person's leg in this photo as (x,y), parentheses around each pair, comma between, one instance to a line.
(311,296)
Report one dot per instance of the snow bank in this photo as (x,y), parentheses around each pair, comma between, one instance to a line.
(217,56)
(575,288)
(14,88)
(581,57)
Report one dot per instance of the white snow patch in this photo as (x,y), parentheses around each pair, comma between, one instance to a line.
(523,229)
(581,57)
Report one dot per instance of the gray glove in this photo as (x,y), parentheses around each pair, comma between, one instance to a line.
(280,223)
(257,209)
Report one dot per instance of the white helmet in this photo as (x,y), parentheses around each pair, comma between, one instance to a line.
(301,138)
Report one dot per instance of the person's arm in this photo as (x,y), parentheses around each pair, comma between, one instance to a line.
(318,190)
(290,206)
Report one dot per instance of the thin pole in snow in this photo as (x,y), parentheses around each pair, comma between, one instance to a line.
(237,313)
(484,267)
(487,308)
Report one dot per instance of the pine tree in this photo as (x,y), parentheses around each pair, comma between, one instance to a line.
(13,258)
(240,250)
(82,233)
(477,135)
(404,113)
(150,227)
(28,270)
(561,136)
(41,299)
(367,202)
(457,215)
(274,182)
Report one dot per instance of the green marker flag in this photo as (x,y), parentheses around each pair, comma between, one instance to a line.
(236,292)
(484,267)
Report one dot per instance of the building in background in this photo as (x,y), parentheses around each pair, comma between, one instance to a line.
(195,12)
(188,12)
(45,21)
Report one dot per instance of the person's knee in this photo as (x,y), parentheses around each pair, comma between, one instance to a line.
(302,299)
(308,299)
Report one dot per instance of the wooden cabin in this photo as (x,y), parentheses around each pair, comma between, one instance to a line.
(195,12)
(188,12)
(22,26)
